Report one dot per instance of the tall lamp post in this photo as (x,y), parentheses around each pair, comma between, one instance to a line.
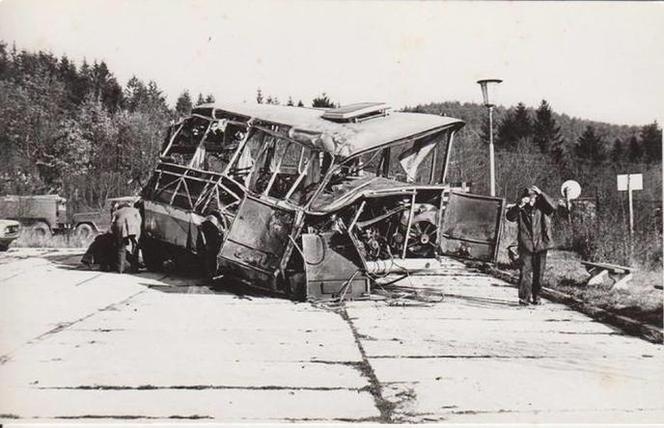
(485,84)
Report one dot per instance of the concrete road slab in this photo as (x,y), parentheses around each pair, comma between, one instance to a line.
(101,346)
(479,357)
(219,405)
(88,346)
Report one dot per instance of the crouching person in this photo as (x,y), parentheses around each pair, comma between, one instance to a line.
(126,229)
(101,252)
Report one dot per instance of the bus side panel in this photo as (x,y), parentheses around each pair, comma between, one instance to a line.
(172,225)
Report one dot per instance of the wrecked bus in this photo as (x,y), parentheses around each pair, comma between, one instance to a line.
(311,203)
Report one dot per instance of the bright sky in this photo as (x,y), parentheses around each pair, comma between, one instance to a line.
(600,61)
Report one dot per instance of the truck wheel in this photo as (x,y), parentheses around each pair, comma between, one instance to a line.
(40,229)
(84,231)
(153,256)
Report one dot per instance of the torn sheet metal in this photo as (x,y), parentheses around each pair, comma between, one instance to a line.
(312,207)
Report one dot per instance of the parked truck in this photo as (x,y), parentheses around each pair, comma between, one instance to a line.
(42,215)
(86,224)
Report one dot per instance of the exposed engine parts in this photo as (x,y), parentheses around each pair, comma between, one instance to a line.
(397,229)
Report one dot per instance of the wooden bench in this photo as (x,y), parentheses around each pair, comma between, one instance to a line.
(620,275)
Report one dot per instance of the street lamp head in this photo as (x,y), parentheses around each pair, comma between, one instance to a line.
(484,85)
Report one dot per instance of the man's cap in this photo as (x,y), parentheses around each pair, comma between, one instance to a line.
(528,191)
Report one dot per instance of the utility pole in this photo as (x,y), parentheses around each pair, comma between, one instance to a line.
(492,161)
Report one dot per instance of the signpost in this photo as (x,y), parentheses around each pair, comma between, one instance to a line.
(629,182)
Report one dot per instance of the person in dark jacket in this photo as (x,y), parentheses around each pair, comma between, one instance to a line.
(101,252)
(533,214)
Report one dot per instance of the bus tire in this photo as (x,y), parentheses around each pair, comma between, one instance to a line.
(153,256)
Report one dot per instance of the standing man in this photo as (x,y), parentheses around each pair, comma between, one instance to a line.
(126,227)
(533,214)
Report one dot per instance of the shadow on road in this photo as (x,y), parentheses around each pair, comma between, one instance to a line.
(483,301)
(173,283)
(171,280)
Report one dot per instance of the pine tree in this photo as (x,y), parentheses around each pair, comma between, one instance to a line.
(68,74)
(514,128)
(105,87)
(290,101)
(4,60)
(635,153)
(156,101)
(591,146)
(183,105)
(200,100)
(651,142)
(322,101)
(300,103)
(523,126)
(546,132)
(135,94)
(618,152)
(209,98)
(505,132)
(83,83)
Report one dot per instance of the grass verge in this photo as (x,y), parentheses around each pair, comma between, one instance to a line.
(641,300)
(31,240)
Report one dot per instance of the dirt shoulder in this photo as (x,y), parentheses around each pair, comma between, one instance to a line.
(641,300)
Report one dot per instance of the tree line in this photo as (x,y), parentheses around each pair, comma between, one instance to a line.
(75,130)
(555,145)
(565,139)
(320,101)
(598,143)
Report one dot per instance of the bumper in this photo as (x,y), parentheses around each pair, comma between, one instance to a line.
(6,240)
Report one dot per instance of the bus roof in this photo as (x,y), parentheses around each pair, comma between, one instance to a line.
(341,138)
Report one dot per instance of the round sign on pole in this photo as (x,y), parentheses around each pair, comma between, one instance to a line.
(570,190)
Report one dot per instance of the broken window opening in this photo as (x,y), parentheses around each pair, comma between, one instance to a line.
(285,169)
(203,143)
(242,163)
(420,161)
